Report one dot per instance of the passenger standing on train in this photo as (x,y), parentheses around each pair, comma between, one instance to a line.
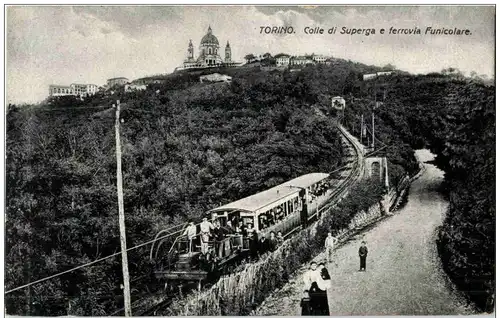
(263,245)
(229,228)
(243,229)
(330,243)
(253,239)
(273,242)
(190,232)
(219,239)
(363,252)
(280,238)
(280,215)
(205,228)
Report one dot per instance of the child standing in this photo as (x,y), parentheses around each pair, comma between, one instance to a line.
(363,252)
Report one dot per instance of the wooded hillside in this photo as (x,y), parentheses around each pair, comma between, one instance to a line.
(185,150)
(188,147)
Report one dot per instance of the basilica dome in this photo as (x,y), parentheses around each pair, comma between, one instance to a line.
(209,38)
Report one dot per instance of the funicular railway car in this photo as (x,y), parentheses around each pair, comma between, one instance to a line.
(283,208)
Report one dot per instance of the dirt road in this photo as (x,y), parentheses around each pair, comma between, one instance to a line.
(403,275)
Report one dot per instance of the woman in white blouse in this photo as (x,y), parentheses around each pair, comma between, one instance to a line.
(316,287)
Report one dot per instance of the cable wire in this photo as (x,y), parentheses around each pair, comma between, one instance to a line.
(93,262)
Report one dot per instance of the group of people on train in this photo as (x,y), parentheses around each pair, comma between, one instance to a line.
(240,235)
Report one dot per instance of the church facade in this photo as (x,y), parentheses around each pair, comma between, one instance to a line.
(210,54)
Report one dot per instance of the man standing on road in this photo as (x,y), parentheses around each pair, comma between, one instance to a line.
(363,252)
(330,243)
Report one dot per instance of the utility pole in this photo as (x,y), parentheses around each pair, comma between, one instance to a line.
(121,213)
(373,128)
(361,131)
(373,116)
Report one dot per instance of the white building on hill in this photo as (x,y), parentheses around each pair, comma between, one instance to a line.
(73,90)
(367,77)
(215,77)
(282,59)
(134,87)
(117,81)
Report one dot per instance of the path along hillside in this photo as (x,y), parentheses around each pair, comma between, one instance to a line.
(403,277)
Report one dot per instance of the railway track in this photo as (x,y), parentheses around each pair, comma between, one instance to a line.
(342,189)
(355,174)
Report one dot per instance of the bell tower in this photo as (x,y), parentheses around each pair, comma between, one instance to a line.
(190,54)
(227,57)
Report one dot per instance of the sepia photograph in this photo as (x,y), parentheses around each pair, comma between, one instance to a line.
(249,160)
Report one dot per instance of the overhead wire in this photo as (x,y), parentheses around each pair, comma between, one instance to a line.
(95,261)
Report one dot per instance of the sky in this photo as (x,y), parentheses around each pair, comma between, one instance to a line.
(89,44)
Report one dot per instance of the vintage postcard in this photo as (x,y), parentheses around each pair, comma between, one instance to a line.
(234,160)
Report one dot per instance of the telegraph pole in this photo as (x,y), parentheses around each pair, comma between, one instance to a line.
(361,131)
(373,116)
(373,128)
(121,213)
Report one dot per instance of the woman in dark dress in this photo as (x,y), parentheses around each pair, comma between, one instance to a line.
(305,302)
(323,295)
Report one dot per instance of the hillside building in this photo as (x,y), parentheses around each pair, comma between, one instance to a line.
(215,77)
(384,73)
(367,77)
(60,90)
(301,60)
(134,87)
(338,102)
(117,81)
(320,59)
(282,60)
(81,90)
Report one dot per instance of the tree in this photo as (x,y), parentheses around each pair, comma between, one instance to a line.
(389,67)
(249,58)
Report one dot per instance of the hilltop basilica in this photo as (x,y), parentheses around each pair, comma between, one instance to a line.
(209,55)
